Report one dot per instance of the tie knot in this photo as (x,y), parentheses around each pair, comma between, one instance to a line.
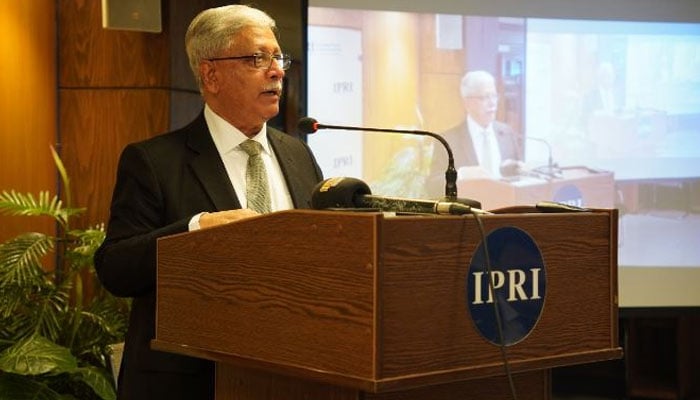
(251,147)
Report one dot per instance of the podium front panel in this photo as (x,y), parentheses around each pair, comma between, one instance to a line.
(425,320)
(378,303)
(284,289)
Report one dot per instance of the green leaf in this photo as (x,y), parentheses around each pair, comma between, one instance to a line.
(20,259)
(84,245)
(26,311)
(49,313)
(65,179)
(37,355)
(88,240)
(17,387)
(49,326)
(13,203)
(99,381)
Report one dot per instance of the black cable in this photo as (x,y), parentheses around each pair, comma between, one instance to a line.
(496,311)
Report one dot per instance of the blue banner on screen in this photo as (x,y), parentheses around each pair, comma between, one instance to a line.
(569,194)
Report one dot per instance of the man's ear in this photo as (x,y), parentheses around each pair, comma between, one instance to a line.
(210,79)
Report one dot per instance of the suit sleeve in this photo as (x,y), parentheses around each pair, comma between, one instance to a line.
(126,260)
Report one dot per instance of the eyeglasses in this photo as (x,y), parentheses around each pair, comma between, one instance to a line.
(485,98)
(262,60)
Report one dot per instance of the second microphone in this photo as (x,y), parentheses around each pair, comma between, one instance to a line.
(345,192)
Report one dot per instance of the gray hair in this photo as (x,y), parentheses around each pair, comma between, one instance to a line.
(212,31)
(473,81)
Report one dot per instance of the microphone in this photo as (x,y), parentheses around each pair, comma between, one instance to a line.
(551,166)
(556,207)
(309,125)
(345,192)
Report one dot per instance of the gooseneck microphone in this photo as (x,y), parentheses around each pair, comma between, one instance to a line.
(310,125)
(551,166)
(346,192)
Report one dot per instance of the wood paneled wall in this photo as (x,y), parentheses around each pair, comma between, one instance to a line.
(27,105)
(113,90)
(390,68)
(441,72)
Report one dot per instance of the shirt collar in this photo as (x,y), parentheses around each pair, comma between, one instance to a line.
(227,137)
(477,131)
(475,128)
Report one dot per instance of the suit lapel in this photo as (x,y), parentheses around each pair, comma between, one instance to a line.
(467,144)
(208,167)
(290,170)
(504,141)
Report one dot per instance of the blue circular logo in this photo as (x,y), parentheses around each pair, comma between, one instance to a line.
(519,283)
(569,194)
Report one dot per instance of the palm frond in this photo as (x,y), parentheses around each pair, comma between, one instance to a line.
(113,313)
(14,301)
(50,314)
(14,203)
(20,259)
(104,321)
(15,328)
(46,315)
(11,298)
(86,243)
(63,173)
(91,339)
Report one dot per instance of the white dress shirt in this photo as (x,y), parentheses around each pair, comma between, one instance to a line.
(227,139)
(479,136)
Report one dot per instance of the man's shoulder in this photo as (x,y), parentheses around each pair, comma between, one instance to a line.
(279,136)
(502,127)
(456,130)
(176,136)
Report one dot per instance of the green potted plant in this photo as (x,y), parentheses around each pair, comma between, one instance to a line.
(56,322)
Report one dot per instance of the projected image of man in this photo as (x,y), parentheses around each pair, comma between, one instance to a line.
(479,142)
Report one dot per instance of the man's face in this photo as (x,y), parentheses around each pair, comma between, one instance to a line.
(245,95)
(481,105)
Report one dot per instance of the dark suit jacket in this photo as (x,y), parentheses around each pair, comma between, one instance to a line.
(161,183)
(460,141)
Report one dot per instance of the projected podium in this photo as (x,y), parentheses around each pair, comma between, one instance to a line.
(337,305)
(577,186)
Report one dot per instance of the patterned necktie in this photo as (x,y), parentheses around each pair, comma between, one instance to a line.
(257,190)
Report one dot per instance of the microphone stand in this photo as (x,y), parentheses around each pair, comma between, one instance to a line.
(552,170)
(450,173)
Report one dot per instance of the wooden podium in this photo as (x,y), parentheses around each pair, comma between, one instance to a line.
(307,304)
